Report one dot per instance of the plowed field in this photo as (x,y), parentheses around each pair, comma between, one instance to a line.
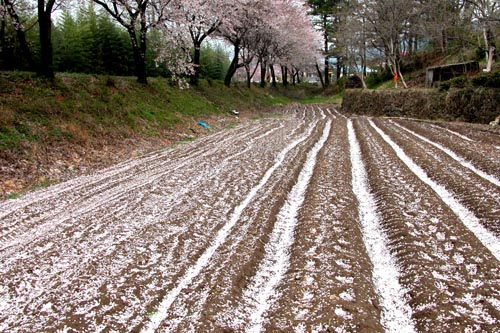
(306,222)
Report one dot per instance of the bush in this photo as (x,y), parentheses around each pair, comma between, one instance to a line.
(444,86)
(489,80)
(341,83)
(374,79)
(457,82)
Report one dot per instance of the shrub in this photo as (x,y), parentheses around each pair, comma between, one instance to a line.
(459,82)
(489,80)
(456,82)
(374,79)
(444,86)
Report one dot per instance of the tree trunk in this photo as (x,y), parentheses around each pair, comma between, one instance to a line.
(327,51)
(21,36)
(489,58)
(489,41)
(363,81)
(327,70)
(233,67)
(46,68)
(296,77)
(139,51)
(284,75)
(273,76)
(249,76)
(320,77)
(3,42)
(444,41)
(196,62)
(402,78)
(263,70)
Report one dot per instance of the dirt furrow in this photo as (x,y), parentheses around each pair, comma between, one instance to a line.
(329,283)
(478,195)
(118,188)
(260,294)
(130,176)
(482,134)
(226,275)
(187,290)
(395,313)
(106,175)
(105,237)
(452,280)
(266,227)
(483,157)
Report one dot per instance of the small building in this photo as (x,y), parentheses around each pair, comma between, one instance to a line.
(353,82)
(437,74)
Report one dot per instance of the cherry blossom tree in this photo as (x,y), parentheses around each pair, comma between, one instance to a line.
(259,42)
(270,32)
(175,49)
(11,8)
(137,17)
(236,30)
(300,48)
(201,18)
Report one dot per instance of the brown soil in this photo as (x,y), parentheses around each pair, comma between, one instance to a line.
(175,239)
(39,164)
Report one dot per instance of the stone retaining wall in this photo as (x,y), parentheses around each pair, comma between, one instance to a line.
(480,105)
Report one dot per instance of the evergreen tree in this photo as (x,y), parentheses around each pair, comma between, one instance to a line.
(214,62)
(114,50)
(323,12)
(69,53)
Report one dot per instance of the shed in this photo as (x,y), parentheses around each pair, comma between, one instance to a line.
(437,74)
(353,82)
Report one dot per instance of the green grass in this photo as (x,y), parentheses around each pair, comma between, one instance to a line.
(83,108)
(322,99)
(12,196)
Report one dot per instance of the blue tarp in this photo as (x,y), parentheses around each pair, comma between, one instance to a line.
(203,124)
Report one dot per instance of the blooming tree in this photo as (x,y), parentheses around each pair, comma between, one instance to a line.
(10,8)
(136,15)
(300,48)
(269,32)
(201,18)
(237,28)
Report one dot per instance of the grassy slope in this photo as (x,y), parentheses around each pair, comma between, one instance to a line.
(82,107)
(82,122)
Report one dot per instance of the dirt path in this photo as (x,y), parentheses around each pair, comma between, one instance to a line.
(309,222)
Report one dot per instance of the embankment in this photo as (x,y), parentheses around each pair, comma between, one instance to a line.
(478,105)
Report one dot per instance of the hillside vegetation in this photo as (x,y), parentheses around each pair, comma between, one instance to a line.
(50,130)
